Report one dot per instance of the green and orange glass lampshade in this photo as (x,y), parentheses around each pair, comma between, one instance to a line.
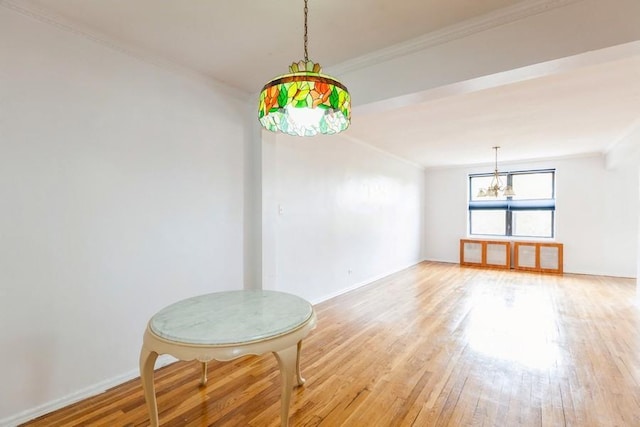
(305,102)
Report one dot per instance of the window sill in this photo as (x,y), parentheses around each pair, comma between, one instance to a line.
(511,238)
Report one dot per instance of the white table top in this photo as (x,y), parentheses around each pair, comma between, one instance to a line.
(232,317)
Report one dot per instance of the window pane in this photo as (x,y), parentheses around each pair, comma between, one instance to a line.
(532,223)
(478,182)
(488,222)
(533,186)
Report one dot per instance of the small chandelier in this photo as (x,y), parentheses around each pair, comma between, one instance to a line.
(305,102)
(496,184)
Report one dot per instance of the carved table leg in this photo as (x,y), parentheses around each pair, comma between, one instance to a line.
(287,360)
(203,378)
(298,374)
(147,363)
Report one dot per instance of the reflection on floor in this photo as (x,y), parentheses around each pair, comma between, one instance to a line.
(520,329)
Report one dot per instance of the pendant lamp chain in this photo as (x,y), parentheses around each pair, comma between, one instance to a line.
(306,38)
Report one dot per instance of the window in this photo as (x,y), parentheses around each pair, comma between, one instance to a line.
(530,213)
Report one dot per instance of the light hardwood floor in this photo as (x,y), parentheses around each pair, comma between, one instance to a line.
(434,345)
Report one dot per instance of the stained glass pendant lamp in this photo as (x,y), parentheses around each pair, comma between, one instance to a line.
(305,102)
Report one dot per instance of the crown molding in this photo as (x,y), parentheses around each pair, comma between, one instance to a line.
(372,147)
(469,27)
(624,150)
(625,136)
(494,19)
(517,164)
(26,9)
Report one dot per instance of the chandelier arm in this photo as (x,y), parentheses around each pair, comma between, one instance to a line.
(496,183)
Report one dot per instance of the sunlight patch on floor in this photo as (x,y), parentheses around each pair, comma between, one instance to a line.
(521,330)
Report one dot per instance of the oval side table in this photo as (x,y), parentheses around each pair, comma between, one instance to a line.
(224,326)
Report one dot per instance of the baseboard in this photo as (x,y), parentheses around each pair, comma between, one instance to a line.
(362,283)
(79,395)
(163,360)
(444,261)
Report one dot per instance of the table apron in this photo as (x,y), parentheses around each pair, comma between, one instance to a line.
(205,353)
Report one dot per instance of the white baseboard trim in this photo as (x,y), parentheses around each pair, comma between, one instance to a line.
(79,395)
(362,283)
(445,261)
(163,360)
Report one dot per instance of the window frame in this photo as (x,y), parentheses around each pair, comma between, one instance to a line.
(509,205)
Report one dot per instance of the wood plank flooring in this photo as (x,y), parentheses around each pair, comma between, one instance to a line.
(434,345)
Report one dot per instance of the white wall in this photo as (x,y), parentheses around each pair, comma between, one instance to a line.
(121,190)
(124,187)
(596,214)
(252,207)
(342,215)
(638,248)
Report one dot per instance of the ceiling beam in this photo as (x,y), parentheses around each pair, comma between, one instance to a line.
(568,31)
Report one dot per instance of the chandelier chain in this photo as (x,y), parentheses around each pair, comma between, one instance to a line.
(496,183)
(306,38)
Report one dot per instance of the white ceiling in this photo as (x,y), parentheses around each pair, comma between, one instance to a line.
(244,43)
(586,110)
